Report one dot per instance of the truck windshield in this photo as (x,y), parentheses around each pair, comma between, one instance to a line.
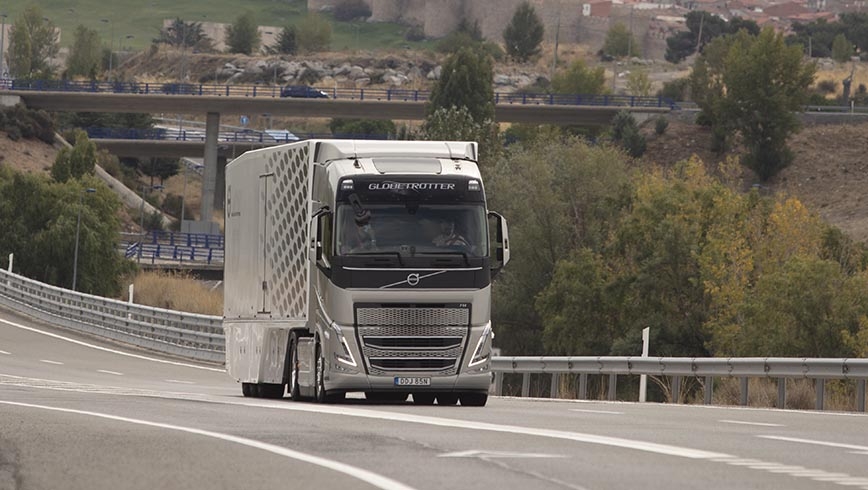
(413,230)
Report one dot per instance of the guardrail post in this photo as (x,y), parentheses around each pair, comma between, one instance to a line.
(583,386)
(676,388)
(782,392)
(554,386)
(361,94)
(821,393)
(709,390)
(613,386)
(860,395)
(744,382)
(525,385)
(498,384)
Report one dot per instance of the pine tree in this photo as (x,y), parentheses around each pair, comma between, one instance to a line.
(524,33)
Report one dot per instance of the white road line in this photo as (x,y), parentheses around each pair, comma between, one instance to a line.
(48,361)
(180,381)
(105,349)
(109,372)
(370,477)
(758,424)
(5,353)
(854,447)
(605,412)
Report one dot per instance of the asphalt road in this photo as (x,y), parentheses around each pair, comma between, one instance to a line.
(78,413)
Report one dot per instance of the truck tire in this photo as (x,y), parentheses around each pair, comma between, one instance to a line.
(293,368)
(247,389)
(423,398)
(271,390)
(447,398)
(320,394)
(473,399)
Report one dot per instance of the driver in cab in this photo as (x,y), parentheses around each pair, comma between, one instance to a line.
(448,237)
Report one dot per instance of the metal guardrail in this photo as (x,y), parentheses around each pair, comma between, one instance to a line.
(157,245)
(779,368)
(188,335)
(403,95)
(200,337)
(243,136)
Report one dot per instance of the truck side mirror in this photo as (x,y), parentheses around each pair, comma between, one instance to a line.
(323,238)
(501,242)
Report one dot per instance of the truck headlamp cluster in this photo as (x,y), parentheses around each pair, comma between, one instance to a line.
(482,353)
(344,355)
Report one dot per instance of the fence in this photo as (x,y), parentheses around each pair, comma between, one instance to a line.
(200,337)
(187,335)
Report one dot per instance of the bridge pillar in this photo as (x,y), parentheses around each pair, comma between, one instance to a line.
(209,176)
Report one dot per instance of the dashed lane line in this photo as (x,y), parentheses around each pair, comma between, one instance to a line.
(49,361)
(114,373)
(758,424)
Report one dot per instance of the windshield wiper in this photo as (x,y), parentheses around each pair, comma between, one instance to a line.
(396,254)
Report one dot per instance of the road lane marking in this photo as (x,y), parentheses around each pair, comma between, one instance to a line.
(180,381)
(106,349)
(109,372)
(366,476)
(758,424)
(5,353)
(605,412)
(474,453)
(856,449)
(49,361)
(695,454)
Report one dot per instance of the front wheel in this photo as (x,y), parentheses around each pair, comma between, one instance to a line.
(473,399)
(320,393)
(293,369)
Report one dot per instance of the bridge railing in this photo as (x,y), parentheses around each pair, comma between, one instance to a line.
(393,94)
(187,335)
(200,337)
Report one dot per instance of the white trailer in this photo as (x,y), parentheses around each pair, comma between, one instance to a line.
(360,266)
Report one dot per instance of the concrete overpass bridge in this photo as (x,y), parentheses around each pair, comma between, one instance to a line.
(215,101)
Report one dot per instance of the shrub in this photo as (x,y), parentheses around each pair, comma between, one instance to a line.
(827,86)
(675,89)
(415,34)
(633,142)
(660,125)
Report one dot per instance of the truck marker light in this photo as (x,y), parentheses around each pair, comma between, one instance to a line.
(473,186)
(347,185)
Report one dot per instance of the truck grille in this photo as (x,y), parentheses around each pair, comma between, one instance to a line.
(399,339)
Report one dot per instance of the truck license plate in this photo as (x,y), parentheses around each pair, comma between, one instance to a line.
(412,381)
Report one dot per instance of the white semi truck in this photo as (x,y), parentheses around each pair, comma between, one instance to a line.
(361,266)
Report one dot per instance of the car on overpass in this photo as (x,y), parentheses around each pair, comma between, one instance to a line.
(303,91)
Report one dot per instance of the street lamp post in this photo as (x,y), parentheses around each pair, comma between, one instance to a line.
(184,193)
(77,230)
(142,219)
(111,44)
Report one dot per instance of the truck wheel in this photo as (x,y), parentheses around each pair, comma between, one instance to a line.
(423,398)
(293,369)
(247,389)
(320,393)
(447,398)
(271,390)
(473,399)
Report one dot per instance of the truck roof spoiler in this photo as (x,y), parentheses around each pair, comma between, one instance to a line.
(328,150)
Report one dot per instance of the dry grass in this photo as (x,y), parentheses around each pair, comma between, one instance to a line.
(176,291)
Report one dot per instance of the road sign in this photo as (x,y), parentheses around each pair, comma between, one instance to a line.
(244,120)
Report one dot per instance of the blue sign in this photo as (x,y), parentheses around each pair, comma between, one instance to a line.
(244,120)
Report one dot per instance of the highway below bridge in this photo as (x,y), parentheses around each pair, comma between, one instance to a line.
(80,413)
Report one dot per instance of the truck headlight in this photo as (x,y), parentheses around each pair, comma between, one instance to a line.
(343,354)
(482,353)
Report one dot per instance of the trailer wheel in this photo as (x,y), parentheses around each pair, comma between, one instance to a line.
(423,398)
(247,389)
(447,398)
(271,390)
(293,369)
(473,399)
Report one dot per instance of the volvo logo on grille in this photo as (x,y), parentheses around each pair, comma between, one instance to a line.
(413,279)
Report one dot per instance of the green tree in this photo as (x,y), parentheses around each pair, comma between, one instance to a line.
(185,35)
(457,124)
(39,220)
(314,33)
(842,49)
(524,33)
(287,41)
(638,83)
(162,168)
(620,42)
(75,162)
(33,44)
(580,79)
(766,85)
(242,36)
(368,127)
(84,56)
(466,81)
